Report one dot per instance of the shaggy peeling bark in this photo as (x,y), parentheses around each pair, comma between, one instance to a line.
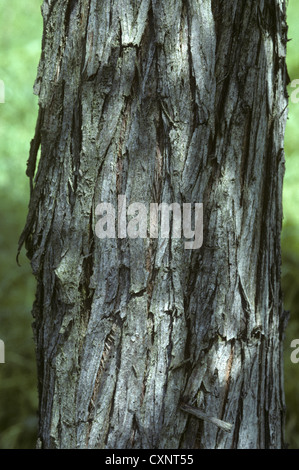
(163,101)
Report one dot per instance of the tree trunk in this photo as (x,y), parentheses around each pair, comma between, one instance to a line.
(162,101)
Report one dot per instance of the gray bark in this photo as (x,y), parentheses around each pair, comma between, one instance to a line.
(164,101)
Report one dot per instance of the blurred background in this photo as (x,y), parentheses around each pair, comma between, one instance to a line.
(20,39)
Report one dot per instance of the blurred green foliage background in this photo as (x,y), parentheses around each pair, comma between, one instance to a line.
(20,40)
(290,234)
(20,35)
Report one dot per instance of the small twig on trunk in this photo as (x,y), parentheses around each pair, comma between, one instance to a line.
(210,419)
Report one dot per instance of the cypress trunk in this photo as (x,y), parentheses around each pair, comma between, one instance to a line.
(174,101)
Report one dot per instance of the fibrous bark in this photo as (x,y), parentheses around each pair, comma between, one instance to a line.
(161,101)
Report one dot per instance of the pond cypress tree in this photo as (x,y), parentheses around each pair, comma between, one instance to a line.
(142,343)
